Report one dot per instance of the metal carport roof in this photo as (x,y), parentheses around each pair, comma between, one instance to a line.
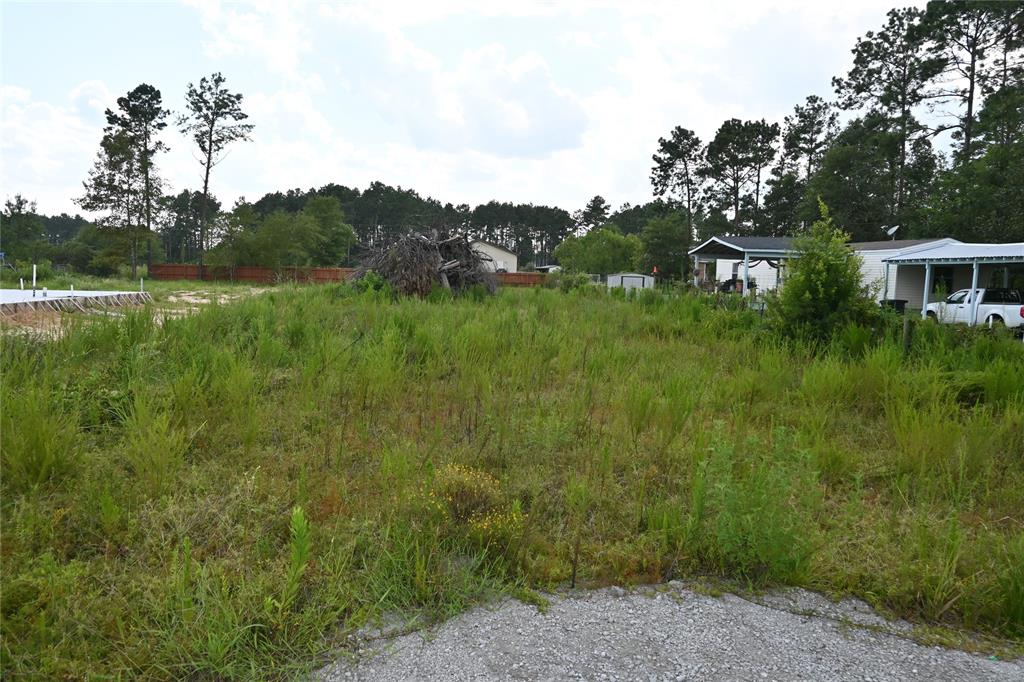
(961,253)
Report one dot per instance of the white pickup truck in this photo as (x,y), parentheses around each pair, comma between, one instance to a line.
(995,306)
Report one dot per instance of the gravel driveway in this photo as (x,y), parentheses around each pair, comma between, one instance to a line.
(668,634)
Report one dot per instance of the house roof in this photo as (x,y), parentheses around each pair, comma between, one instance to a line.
(959,252)
(892,244)
(493,246)
(737,247)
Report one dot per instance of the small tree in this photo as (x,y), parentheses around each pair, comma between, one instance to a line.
(337,236)
(823,291)
(22,233)
(666,241)
(601,251)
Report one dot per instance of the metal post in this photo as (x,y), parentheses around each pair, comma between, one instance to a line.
(927,289)
(885,294)
(746,272)
(974,296)
(1006,276)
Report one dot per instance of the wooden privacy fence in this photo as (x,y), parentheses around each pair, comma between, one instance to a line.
(520,279)
(260,275)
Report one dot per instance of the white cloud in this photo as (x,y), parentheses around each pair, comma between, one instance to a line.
(440,97)
(275,32)
(94,94)
(46,149)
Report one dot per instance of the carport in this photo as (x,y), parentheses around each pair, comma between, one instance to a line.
(748,249)
(977,260)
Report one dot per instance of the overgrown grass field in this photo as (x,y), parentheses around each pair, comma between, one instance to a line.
(228,494)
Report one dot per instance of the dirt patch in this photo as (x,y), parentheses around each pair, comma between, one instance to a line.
(201,298)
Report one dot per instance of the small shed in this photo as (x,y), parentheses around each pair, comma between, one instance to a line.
(630,280)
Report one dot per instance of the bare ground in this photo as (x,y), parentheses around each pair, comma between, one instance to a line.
(667,634)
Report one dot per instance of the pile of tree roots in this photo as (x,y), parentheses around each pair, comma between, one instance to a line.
(416,264)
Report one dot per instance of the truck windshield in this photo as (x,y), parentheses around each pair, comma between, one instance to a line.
(958,297)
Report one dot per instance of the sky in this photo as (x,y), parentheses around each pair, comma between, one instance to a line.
(464,101)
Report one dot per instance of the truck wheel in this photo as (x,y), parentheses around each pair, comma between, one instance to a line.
(995,321)
(932,316)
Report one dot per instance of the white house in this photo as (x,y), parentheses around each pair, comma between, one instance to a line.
(501,259)
(889,281)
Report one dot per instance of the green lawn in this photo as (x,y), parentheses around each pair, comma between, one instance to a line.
(229,493)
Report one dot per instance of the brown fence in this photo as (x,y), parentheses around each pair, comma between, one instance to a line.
(521,279)
(307,275)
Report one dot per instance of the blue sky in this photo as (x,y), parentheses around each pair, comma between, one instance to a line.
(465,101)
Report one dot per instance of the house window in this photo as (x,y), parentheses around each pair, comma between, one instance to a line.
(942,280)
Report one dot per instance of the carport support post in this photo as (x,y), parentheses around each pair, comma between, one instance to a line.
(927,289)
(1006,277)
(974,295)
(746,271)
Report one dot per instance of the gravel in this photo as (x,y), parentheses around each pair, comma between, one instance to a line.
(667,634)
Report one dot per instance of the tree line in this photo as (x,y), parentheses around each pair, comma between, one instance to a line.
(955,67)
(872,153)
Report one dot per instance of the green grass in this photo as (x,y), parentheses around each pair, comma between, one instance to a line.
(228,494)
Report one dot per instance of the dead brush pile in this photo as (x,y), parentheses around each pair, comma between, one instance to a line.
(416,264)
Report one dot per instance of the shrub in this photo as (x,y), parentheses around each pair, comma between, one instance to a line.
(462,492)
(371,282)
(823,292)
(44,270)
(566,281)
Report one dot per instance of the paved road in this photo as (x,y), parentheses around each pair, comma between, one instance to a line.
(673,634)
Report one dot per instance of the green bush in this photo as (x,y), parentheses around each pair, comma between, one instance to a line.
(823,292)
(566,281)
(44,271)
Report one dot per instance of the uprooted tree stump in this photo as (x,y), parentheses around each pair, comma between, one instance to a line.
(416,264)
